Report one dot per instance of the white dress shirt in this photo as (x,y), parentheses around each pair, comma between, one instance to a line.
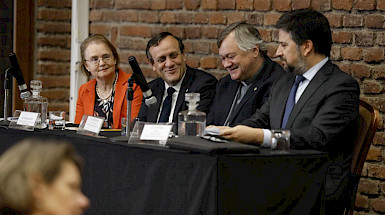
(174,97)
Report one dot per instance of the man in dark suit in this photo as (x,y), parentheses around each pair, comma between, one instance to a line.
(251,74)
(324,109)
(165,53)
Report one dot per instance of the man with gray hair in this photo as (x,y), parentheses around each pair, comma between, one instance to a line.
(251,74)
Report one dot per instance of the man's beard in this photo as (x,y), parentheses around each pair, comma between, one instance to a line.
(298,68)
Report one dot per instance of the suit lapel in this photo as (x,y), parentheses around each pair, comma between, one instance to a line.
(89,98)
(154,111)
(278,109)
(250,94)
(185,88)
(232,88)
(120,92)
(315,83)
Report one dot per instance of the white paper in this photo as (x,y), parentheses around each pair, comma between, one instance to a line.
(54,117)
(155,132)
(93,124)
(27,118)
(212,131)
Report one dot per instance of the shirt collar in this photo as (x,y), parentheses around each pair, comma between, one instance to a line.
(177,85)
(309,74)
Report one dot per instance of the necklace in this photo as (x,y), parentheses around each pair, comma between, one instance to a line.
(105,99)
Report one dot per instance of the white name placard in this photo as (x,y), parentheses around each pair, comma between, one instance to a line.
(155,132)
(27,118)
(93,124)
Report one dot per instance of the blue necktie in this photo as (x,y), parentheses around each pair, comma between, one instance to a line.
(166,108)
(291,100)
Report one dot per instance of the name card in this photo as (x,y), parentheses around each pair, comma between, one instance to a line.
(155,132)
(93,124)
(90,125)
(27,118)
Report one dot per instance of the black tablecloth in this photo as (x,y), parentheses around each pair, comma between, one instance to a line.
(121,178)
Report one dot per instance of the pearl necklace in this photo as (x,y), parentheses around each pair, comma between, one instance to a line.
(105,99)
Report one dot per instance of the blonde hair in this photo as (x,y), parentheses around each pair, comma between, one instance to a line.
(26,159)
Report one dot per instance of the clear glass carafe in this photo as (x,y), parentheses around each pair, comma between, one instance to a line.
(37,103)
(191,122)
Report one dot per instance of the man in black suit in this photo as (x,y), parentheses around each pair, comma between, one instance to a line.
(325,112)
(251,74)
(165,53)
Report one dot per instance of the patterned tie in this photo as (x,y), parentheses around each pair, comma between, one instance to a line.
(166,108)
(291,100)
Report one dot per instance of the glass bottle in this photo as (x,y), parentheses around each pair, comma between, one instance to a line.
(191,122)
(37,103)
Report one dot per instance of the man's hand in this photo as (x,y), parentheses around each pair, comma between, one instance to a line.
(242,134)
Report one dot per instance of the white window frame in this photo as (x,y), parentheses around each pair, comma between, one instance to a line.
(79,32)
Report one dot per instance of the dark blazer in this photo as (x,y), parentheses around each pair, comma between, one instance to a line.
(256,95)
(324,118)
(195,81)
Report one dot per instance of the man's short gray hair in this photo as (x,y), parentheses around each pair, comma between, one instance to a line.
(246,36)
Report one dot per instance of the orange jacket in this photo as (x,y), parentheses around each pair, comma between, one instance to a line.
(86,100)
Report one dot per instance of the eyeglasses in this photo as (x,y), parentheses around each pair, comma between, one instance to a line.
(94,61)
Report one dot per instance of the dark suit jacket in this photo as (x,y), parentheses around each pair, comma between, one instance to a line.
(324,118)
(195,81)
(256,95)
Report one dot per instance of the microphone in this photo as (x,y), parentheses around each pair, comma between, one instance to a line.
(24,93)
(141,81)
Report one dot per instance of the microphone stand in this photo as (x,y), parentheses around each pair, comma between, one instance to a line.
(129,97)
(7,89)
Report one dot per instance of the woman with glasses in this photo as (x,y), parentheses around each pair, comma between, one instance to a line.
(105,94)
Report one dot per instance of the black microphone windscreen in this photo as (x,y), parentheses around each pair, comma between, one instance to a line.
(16,69)
(138,75)
(13,60)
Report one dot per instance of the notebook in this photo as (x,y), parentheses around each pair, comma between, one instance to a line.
(198,144)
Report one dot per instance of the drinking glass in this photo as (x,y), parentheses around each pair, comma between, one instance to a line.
(57,120)
(280,140)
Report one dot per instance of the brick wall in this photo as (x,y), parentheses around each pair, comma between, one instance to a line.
(53,53)
(358,35)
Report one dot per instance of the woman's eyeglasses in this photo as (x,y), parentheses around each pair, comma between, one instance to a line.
(94,61)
